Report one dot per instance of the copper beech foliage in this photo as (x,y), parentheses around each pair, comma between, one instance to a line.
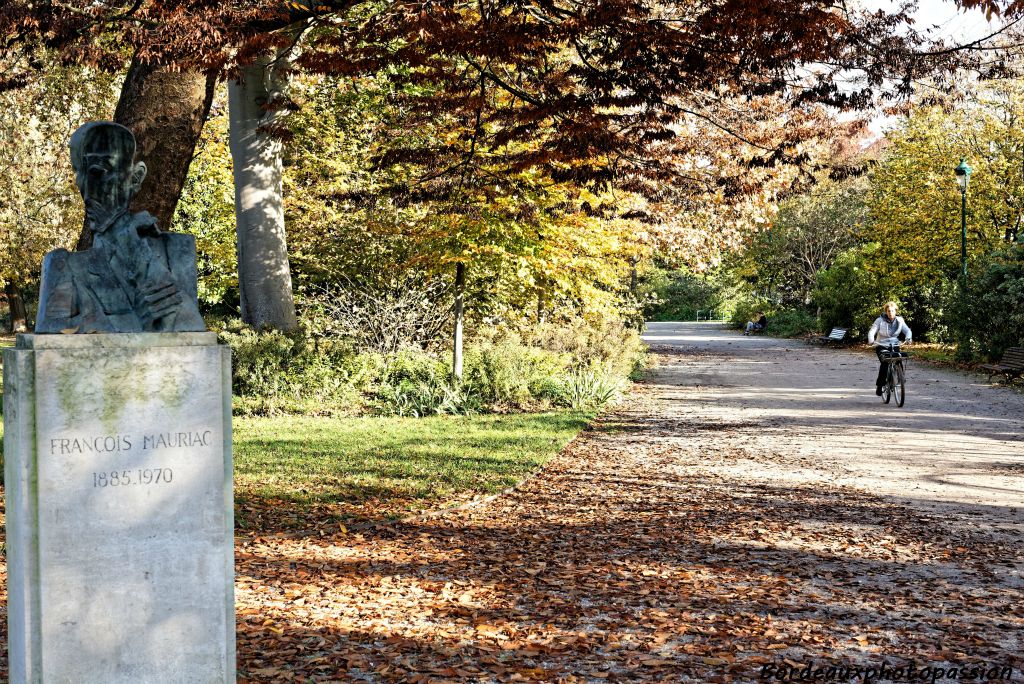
(598,83)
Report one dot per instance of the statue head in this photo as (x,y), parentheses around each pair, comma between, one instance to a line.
(103,156)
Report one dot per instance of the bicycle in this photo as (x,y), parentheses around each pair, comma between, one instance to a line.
(895,375)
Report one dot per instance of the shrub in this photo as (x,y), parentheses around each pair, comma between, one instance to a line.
(591,388)
(783,322)
(931,311)
(792,323)
(412,366)
(260,361)
(276,372)
(994,305)
(745,309)
(605,342)
(364,371)
(847,294)
(505,372)
(414,383)
(574,363)
(437,396)
(679,295)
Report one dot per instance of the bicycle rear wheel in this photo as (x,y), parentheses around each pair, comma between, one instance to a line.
(899,385)
(887,387)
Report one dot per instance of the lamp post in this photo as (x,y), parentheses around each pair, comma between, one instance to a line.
(963,176)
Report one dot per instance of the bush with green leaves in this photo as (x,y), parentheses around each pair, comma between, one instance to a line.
(588,388)
(994,305)
(606,342)
(507,373)
(434,397)
(745,308)
(414,383)
(573,363)
(932,311)
(792,322)
(679,295)
(276,372)
(848,295)
(411,365)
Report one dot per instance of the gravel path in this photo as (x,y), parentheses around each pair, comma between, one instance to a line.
(958,442)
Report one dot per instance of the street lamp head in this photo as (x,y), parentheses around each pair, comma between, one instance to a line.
(963,174)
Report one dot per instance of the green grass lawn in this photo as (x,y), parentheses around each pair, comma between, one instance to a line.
(936,353)
(350,460)
(296,472)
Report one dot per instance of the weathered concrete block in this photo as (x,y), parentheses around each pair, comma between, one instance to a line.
(119,508)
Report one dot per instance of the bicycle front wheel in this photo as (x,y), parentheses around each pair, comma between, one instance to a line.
(899,386)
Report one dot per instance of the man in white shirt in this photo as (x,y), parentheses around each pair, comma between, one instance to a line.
(886,331)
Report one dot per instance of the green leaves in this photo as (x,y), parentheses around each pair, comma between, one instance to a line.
(915,201)
(207,210)
(40,208)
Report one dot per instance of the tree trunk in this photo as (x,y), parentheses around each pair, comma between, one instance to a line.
(542,299)
(460,288)
(166,111)
(264,274)
(16,305)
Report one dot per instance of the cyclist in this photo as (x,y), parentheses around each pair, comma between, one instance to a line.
(885,332)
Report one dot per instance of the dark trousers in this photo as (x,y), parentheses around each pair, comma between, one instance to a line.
(882,353)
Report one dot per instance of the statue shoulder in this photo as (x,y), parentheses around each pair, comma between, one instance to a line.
(56,259)
(61,265)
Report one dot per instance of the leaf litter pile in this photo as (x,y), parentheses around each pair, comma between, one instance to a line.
(635,555)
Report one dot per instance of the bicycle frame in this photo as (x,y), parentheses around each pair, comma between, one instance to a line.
(895,375)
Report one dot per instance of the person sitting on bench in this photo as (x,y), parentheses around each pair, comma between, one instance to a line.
(761,324)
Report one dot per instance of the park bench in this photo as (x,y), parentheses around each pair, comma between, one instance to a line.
(1011,365)
(835,337)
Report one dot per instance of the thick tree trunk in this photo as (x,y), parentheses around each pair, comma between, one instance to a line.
(16,306)
(460,289)
(264,274)
(166,111)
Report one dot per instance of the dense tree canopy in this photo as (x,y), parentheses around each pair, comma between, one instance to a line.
(915,201)
(806,236)
(835,250)
(536,139)
(604,80)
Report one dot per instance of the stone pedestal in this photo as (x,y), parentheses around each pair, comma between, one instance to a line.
(119,509)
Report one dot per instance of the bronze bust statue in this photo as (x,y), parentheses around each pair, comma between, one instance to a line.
(135,278)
